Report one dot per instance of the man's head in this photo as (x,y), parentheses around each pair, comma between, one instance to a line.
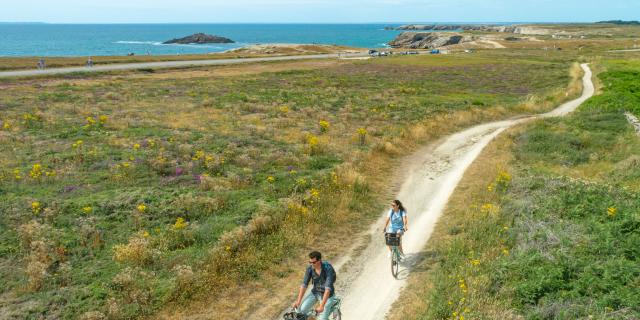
(314,258)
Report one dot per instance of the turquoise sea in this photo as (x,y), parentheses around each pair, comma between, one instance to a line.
(121,39)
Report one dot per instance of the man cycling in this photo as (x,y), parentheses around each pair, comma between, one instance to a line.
(323,277)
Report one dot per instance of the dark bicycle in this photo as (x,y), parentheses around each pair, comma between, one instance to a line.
(295,313)
(393,241)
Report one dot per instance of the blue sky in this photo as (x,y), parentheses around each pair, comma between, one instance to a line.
(316,11)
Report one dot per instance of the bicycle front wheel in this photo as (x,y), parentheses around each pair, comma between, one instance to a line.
(337,315)
(395,263)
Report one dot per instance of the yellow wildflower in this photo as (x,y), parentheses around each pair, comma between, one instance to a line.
(488,208)
(180,224)
(505,252)
(271,179)
(475,262)
(612,211)
(77,144)
(145,234)
(87,209)
(6,125)
(312,140)
(315,193)
(324,125)
(284,109)
(141,208)
(16,174)
(36,171)
(90,121)
(36,207)
(126,164)
(136,146)
(199,154)
(362,135)
(103,119)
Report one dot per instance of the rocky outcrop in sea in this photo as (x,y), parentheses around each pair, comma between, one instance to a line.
(428,40)
(199,38)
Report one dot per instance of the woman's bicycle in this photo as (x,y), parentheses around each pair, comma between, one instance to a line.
(393,241)
(296,314)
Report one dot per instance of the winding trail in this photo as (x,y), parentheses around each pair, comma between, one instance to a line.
(365,283)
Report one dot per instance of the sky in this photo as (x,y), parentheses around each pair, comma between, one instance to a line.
(315,11)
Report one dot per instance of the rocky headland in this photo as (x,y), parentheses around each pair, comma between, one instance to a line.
(452,27)
(199,38)
(429,40)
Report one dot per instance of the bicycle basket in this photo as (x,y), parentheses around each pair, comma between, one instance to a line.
(294,316)
(392,239)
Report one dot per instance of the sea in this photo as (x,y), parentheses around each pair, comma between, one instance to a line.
(47,40)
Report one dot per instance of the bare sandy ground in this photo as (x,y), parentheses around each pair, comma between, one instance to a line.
(365,281)
(633,121)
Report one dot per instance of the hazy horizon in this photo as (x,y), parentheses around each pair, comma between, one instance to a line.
(315,11)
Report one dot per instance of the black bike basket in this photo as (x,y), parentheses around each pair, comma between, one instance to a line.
(294,316)
(392,239)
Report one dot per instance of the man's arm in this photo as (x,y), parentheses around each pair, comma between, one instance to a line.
(406,222)
(328,284)
(303,288)
(300,295)
(325,297)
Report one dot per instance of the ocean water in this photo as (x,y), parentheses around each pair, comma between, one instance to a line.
(120,39)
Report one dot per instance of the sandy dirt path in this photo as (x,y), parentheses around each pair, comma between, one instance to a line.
(168,64)
(365,282)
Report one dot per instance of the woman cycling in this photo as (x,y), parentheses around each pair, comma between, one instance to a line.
(398,218)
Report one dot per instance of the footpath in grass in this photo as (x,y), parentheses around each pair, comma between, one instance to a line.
(120,196)
(551,230)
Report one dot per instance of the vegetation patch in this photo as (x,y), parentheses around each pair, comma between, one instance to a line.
(551,232)
(120,196)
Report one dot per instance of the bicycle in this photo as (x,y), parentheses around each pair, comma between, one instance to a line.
(393,240)
(295,314)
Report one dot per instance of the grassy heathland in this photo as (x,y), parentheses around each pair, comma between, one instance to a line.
(549,230)
(120,195)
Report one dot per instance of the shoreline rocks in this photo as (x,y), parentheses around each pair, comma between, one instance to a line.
(454,27)
(199,38)
(428,40)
